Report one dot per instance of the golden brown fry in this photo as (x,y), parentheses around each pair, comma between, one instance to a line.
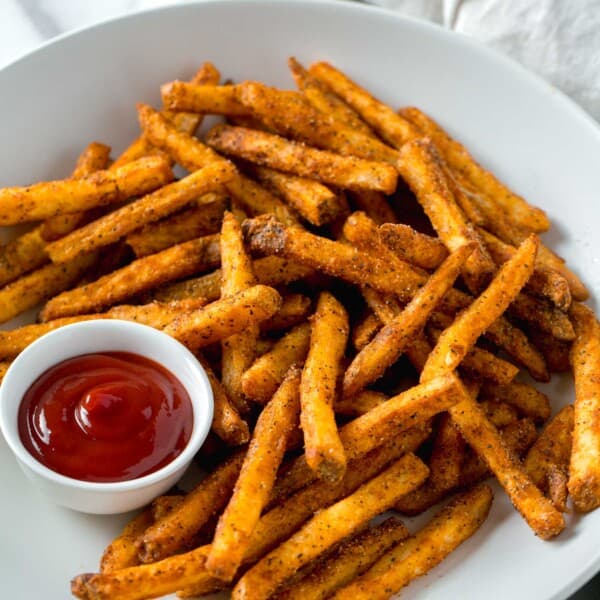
(543,315)
(290,114)
(267,235)
(48,199)
(150,208)
(312,200)
(555,352)
(37,286)
(140,275)
(329,527)
(226,317)
(393,128)
(375,205)
(460,337)
(365,330)
(528,401)
(414,247)
(294,310)
(499,414)
(584,472)
(205,99)
(253,487)
(177,529)
(459,159)
(163,505)
(227,423)
(371,362)
(350,559)
(21,255)
(292,157)
(360,404)
(557,483)
(270,270)
(329,335)
(201,218)
(261,380)
(551,449)
(422,168)
(484,438)
(449,528)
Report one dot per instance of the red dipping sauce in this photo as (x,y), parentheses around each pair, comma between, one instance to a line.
(106,417)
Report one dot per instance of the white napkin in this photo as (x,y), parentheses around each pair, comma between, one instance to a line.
(557,39)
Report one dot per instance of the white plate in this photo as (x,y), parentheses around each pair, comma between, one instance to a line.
(84,87)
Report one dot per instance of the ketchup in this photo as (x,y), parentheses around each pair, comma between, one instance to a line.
(105,417)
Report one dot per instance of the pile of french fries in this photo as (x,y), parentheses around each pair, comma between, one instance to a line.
(362,294)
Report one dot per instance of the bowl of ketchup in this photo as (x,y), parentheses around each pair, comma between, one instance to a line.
(105,415)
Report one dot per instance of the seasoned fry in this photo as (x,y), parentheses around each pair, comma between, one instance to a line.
(150,208)
(422,168)
(290,114)
(459,159)
(528,401)
(226,317)
(312,200)
(227,423)
(270,270)
(140,275)
(253,487)
(371,362)
(365,330)
(201,218)
(551,449)
(543,315)
(360,404)
(294,310)
(557,482)
(279,153)
(21,255)
(205,99)
(329,334)
(39,285)
(414,247)
(484,438)
(171,534)
(500,414)
(329,527)
(584,470)
(350,559)
(48,199)
(375,205)
(459,338)
(555,352)
(261,380)
(449,528)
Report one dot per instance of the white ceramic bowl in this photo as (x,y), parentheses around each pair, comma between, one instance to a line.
(104,336)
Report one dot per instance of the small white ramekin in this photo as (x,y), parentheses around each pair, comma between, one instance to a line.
(104,336)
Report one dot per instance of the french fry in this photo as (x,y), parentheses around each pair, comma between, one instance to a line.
(48,199)
(329,334)
(207,74)
(350,559)
(201,218)
(253,487)
(312,200)
(365,330)
(557,479)
(555,352)
(422,168)
(160,203)
(290,114)
(329,527)
(449,528)
(270,270)
(484,438)
(294,310)
(94,158)
(324,101)
(528,401)
(500,414)
(389,343)
(459,159)
(263,378)
(39,285)
(414,247)
(456,340)
(226,317)
(205,99)
(171,534)
(551,449)
(140,275)
(192,154)
(375,205)
(360,404)
(227,423)
(584,469)
(279,153)
(393,128)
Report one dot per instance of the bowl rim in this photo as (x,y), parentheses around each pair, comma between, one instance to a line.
(201,398)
